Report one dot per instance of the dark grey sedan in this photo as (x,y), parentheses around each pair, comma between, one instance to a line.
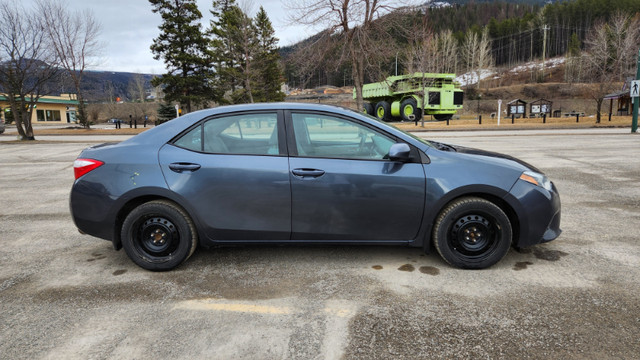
(306,174)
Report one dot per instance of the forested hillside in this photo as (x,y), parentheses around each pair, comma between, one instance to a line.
(515,32)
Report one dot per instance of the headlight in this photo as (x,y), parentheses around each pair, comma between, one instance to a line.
(536,179)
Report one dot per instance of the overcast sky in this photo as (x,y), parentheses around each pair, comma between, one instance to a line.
(129,27)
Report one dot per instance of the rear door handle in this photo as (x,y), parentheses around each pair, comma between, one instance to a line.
(305,173)
(180,167)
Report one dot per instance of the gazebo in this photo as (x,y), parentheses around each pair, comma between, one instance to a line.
(623,99)
(623,102)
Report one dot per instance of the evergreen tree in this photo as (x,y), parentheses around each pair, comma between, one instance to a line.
(166,112)
(269,74)
(225,20)
(244,41)
(247,58)
(184,49)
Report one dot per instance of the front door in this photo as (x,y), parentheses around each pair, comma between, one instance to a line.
(344,188)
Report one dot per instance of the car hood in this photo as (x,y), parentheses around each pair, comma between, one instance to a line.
(472,151)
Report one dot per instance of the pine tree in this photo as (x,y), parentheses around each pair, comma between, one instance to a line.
(166,112)
(269,74)
(184,49)
(244,43)
(225,20)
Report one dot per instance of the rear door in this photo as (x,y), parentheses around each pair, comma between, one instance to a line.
(343,186)
(233,172)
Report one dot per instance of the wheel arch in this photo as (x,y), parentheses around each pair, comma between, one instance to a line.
(133,203)
(492,196)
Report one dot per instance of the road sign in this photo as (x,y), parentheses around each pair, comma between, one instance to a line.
(635,88)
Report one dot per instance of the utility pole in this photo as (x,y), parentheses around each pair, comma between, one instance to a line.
(544,47)
(636,100)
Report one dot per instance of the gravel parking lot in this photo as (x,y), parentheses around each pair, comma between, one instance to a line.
(64,295)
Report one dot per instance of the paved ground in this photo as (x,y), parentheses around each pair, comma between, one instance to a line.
(64,295)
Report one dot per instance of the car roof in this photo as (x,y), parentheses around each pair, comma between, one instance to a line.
(168,130)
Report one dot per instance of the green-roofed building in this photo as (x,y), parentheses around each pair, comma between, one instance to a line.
(49,109)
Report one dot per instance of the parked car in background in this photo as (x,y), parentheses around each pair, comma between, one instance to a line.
(307,174)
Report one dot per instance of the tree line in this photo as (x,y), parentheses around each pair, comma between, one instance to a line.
(516,33)
(234,60)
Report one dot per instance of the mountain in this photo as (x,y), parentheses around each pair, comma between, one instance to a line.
(100,86)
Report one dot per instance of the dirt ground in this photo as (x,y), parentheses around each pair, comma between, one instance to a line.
(64,295)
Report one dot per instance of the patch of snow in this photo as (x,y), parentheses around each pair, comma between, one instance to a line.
(472,77)
(435,4)
(550,63)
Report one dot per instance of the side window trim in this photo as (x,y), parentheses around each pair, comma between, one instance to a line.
(280,128)
(291,137)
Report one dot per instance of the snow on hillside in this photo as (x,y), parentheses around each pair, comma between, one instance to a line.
(435,4)
(472,77)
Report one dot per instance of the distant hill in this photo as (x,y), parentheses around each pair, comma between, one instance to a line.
(96,84)
(101,86)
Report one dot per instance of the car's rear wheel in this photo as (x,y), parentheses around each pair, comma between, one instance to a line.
(159,235)
(472,233)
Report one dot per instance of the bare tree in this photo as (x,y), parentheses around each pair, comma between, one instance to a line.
(351,23)
(137,88)
(625,38)
(421,57)
(448,52)
(477,54)
(74,36)
(470,51)
(485,59)
(610,48)
(27,64)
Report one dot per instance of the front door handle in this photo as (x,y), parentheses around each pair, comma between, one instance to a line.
(306,173)
(181,166)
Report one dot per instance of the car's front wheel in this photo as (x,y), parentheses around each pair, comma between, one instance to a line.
(472,233)
(159,235)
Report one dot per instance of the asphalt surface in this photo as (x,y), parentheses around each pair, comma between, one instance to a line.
(69,296)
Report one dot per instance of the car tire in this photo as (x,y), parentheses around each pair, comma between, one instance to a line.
(368,109)
(409,107)
(472,233)
(159,235)
(383,111)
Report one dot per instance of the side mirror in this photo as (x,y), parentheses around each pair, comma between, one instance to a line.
(400,152)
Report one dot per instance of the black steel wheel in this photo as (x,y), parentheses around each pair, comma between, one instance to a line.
(472,233)
(158,235)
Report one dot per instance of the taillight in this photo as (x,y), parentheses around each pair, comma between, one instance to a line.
(83,166)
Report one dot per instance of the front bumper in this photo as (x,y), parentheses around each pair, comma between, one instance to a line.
(538,211)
